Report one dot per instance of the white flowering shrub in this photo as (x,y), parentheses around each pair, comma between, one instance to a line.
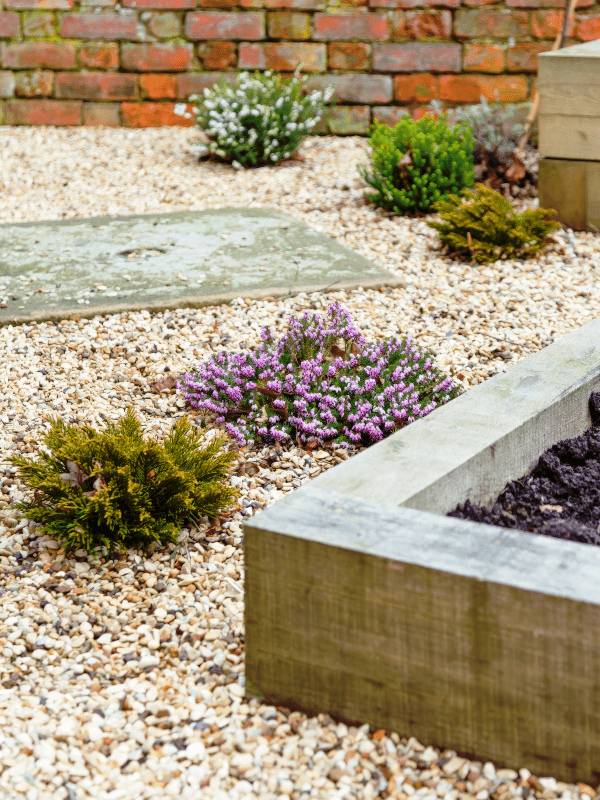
(259,120)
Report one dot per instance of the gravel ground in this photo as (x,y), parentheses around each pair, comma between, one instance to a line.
(125,678)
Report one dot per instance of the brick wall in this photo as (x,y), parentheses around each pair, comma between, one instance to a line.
(101,62)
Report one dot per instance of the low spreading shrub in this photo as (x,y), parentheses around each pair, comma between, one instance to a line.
(497,130)
(483,226)
(259,120)
(114,489)
(320,382)
(416,164)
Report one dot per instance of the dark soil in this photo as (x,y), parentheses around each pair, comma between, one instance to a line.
(560,497)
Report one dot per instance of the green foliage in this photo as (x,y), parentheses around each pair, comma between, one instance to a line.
(483,226)
(497,130)
(114,489)
(416,164)
(260,120)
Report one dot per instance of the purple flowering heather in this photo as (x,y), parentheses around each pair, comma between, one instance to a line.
(319,383)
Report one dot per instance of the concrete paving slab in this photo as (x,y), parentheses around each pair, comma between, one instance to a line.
(83,267)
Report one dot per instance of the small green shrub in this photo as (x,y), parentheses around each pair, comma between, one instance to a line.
(259,120)
(115,489)
(417,164)
(483,226)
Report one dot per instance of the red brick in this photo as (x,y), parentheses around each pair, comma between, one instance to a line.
(415,88)
(414,3)
(152,115)
(422,25)
(106,115)
(225,25)
(523,57)
(7,84)
(483,58)
(470,88)
(96,86)
(9,25)
(39,55)
(99,55)
(158,87)
(196,82)
(500,23)
(289,25)
(34,84)
(419,113)
(39,25)
(169,5)
(346,5)
(389,115)
(298,5)
(417,57)
(355,88)
(217,55)
(150,57)
(34,5)
(349,56)
(99,26)
(84,4)
(547,3)
(337,27)
(165,26)
(42,112)
(547,24)
(348,119)
(588,28)
(283,57)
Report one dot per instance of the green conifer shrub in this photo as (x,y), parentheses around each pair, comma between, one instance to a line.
(483,226)
(114,489)
(417,164)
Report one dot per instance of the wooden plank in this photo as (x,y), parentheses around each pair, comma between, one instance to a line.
(483,641)
(593,197)
(568,70)
(579,64)
(569,99)
(562,187)
(575,138)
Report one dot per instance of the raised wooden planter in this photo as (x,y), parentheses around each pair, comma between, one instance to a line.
(569,134)
(362,601)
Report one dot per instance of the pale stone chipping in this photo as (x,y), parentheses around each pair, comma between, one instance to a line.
(100,661)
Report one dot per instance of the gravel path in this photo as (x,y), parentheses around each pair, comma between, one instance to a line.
(126,679)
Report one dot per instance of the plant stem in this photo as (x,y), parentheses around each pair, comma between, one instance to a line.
(559,43)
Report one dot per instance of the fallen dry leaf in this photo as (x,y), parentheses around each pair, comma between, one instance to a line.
(163,383)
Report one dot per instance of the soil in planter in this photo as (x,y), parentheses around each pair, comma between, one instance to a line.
(560,497)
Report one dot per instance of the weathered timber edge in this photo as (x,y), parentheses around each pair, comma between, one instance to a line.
(363,604)
(463,635)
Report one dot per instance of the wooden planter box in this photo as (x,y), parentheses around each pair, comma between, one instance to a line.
(364,602)
(569,134)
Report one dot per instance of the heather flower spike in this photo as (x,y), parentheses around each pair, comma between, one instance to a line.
(320,382)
